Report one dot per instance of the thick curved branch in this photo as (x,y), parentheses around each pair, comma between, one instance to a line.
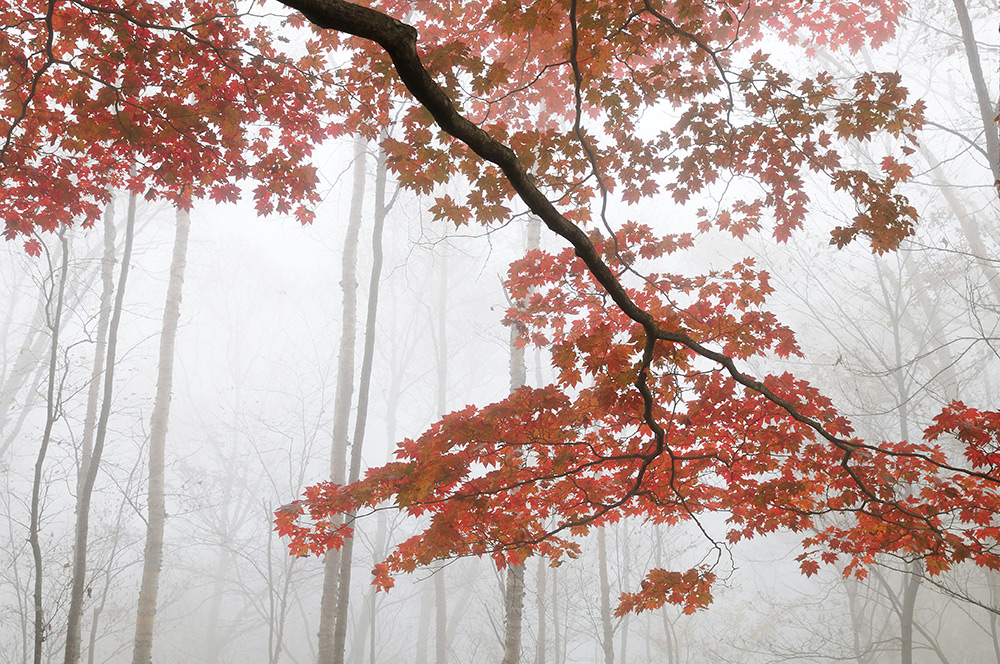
(399,41)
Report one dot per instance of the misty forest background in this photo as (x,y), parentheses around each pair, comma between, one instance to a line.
(891,338)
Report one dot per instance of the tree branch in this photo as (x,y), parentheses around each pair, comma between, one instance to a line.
(399,40)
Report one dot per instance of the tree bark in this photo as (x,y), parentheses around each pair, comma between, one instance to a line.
(400,42)
(152,559)
(911,584)
(361,421)
(86,489)
(440,590)
(75,613)
(540,642)
(54,323)
(326,653)
(607,642)
(29,363)
(968,223)
(987,108)
(514,597)
(557,652)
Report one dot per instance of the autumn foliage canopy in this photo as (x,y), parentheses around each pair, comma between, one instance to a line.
(581,112)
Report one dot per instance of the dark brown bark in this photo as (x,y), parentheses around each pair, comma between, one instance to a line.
(399,41)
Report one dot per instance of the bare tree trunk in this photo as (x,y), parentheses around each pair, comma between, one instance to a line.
(54,322)
(86,489)
(423,625)
(859,636)
(556,652)
(514,599)
(440,590)
(326,653)
(607,641)
(30,356)
(911,583)
(277,606)
(109,579)
(514,605)
(440,619)
(152,558)
(987,108)
(668,629)
(540,644)
(625,550)
(75,613)
(994,584)
(213,644)
(364,388)
(100,339)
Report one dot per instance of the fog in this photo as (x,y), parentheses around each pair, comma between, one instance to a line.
(891,338)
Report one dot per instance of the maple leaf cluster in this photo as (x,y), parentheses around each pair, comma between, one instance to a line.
(531,473)
(572,90)
(649,415)
(172,100)
(555,105)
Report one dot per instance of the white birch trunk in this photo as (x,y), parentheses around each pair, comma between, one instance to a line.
(153,554)
(326,653)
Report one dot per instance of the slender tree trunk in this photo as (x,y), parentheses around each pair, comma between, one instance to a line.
(607,642)
(32,349)
(859,636)
(440,619)
(440,589)
(556,659)
(668,628)
(540,644)
(152,559)
(625,550)
(75,613)
(54,323)
(423,624)
(100,339)
(994,584)
(911,581)
(326,653)
(514,604)
(277,604)
(361,421)
(514,596)
(987,108)
(86,489)
(968,223)
(214,644)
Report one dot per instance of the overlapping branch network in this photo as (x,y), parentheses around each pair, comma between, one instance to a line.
(651,415)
